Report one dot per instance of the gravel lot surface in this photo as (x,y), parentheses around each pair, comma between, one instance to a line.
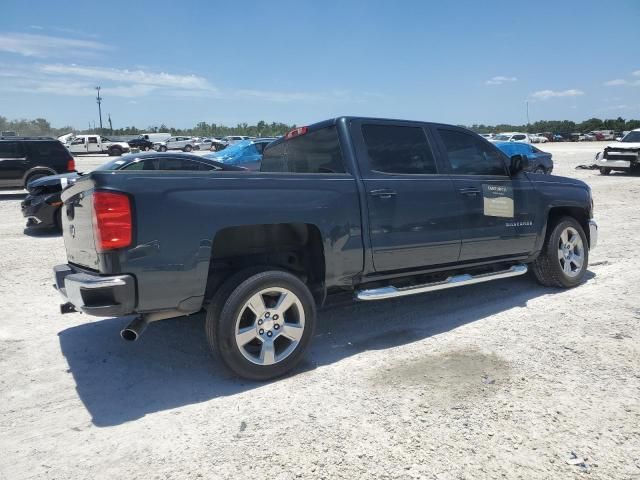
(500,380)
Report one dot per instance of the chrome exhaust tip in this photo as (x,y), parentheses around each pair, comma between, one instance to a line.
(132,332)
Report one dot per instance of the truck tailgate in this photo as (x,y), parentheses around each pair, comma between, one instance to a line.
(77,224)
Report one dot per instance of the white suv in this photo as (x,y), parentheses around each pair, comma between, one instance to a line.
(512,137)
(186,144)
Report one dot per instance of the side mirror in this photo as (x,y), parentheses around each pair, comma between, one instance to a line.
(518,164)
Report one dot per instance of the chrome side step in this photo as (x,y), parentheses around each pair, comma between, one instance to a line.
(454,281)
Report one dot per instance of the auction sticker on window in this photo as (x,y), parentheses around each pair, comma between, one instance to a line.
(498,200)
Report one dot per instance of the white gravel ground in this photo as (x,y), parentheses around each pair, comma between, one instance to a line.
(500,380)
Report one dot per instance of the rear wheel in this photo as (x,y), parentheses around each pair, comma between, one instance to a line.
(188,148)
(260,324)
(605,171)
(564,258)
(115,152)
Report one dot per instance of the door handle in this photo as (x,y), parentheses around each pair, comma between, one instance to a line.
(383,193)
(469,191)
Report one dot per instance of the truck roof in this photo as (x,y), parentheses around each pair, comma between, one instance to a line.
(348,118)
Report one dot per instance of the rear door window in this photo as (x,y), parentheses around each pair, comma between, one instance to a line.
(314,152)
(398,149)
(48,150)
(183,165)
(10,150)
(469,155)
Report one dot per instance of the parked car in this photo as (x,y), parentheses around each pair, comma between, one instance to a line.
(141,144)
(23,159)
(42,206)
(211,144)
(247,154)
(488,136)
(186,144)
(233,139)
(511,137)
(621,156)
(87,144)
(539,161)
(337,207)
(538,138)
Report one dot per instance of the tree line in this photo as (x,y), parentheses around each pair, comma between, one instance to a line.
(42,127)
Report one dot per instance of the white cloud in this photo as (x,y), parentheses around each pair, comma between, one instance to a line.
(617,81)
(499,80)
(160,79)
(547,94)
(43,46)
(636,73)
(80,81)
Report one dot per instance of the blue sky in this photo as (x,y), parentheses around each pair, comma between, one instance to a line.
(180,63)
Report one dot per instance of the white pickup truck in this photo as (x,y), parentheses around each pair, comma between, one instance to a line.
(96,144)
(622,156)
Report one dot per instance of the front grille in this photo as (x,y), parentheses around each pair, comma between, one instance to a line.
(621,155)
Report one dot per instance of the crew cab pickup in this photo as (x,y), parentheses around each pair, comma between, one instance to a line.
(96,144)
(380,208)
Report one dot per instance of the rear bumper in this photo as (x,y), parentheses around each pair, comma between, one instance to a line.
(110,296)
(593,234)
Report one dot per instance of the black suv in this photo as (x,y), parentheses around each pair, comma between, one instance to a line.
(23,159)
(141,143)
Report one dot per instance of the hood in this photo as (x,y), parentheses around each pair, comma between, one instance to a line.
(623,146)
(53,182)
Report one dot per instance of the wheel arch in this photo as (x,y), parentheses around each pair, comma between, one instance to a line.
(37,170)
(294,247)
(579,213)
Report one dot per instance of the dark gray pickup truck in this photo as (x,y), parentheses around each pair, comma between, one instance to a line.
(380,208)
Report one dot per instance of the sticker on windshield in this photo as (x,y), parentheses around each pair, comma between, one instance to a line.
(498,200)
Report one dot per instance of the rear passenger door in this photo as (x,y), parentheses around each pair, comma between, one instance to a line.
(13,163)
(498,210)
(412,207)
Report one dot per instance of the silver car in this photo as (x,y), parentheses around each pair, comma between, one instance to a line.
(186,144)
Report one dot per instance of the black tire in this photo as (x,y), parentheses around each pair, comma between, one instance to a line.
(605,171)
(540,170)
(188,148)
(115,152)
(146,149)
(227,305)
(548,267)
(163,148)
(35,176)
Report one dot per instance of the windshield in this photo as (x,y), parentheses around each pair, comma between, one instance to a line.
(503,138)
(631,137)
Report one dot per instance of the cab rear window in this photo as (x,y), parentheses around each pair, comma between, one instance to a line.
(314,152)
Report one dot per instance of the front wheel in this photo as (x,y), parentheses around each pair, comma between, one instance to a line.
(188,148)
(564,258)
(261,323)
(605,171)
(163,148)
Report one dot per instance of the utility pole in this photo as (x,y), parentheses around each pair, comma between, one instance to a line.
(110,124)
(528,116)
(99,100)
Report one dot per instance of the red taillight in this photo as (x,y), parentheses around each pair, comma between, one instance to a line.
(71,165)
(111,220)
(296,132)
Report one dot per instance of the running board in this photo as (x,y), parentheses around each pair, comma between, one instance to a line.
(455,281)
